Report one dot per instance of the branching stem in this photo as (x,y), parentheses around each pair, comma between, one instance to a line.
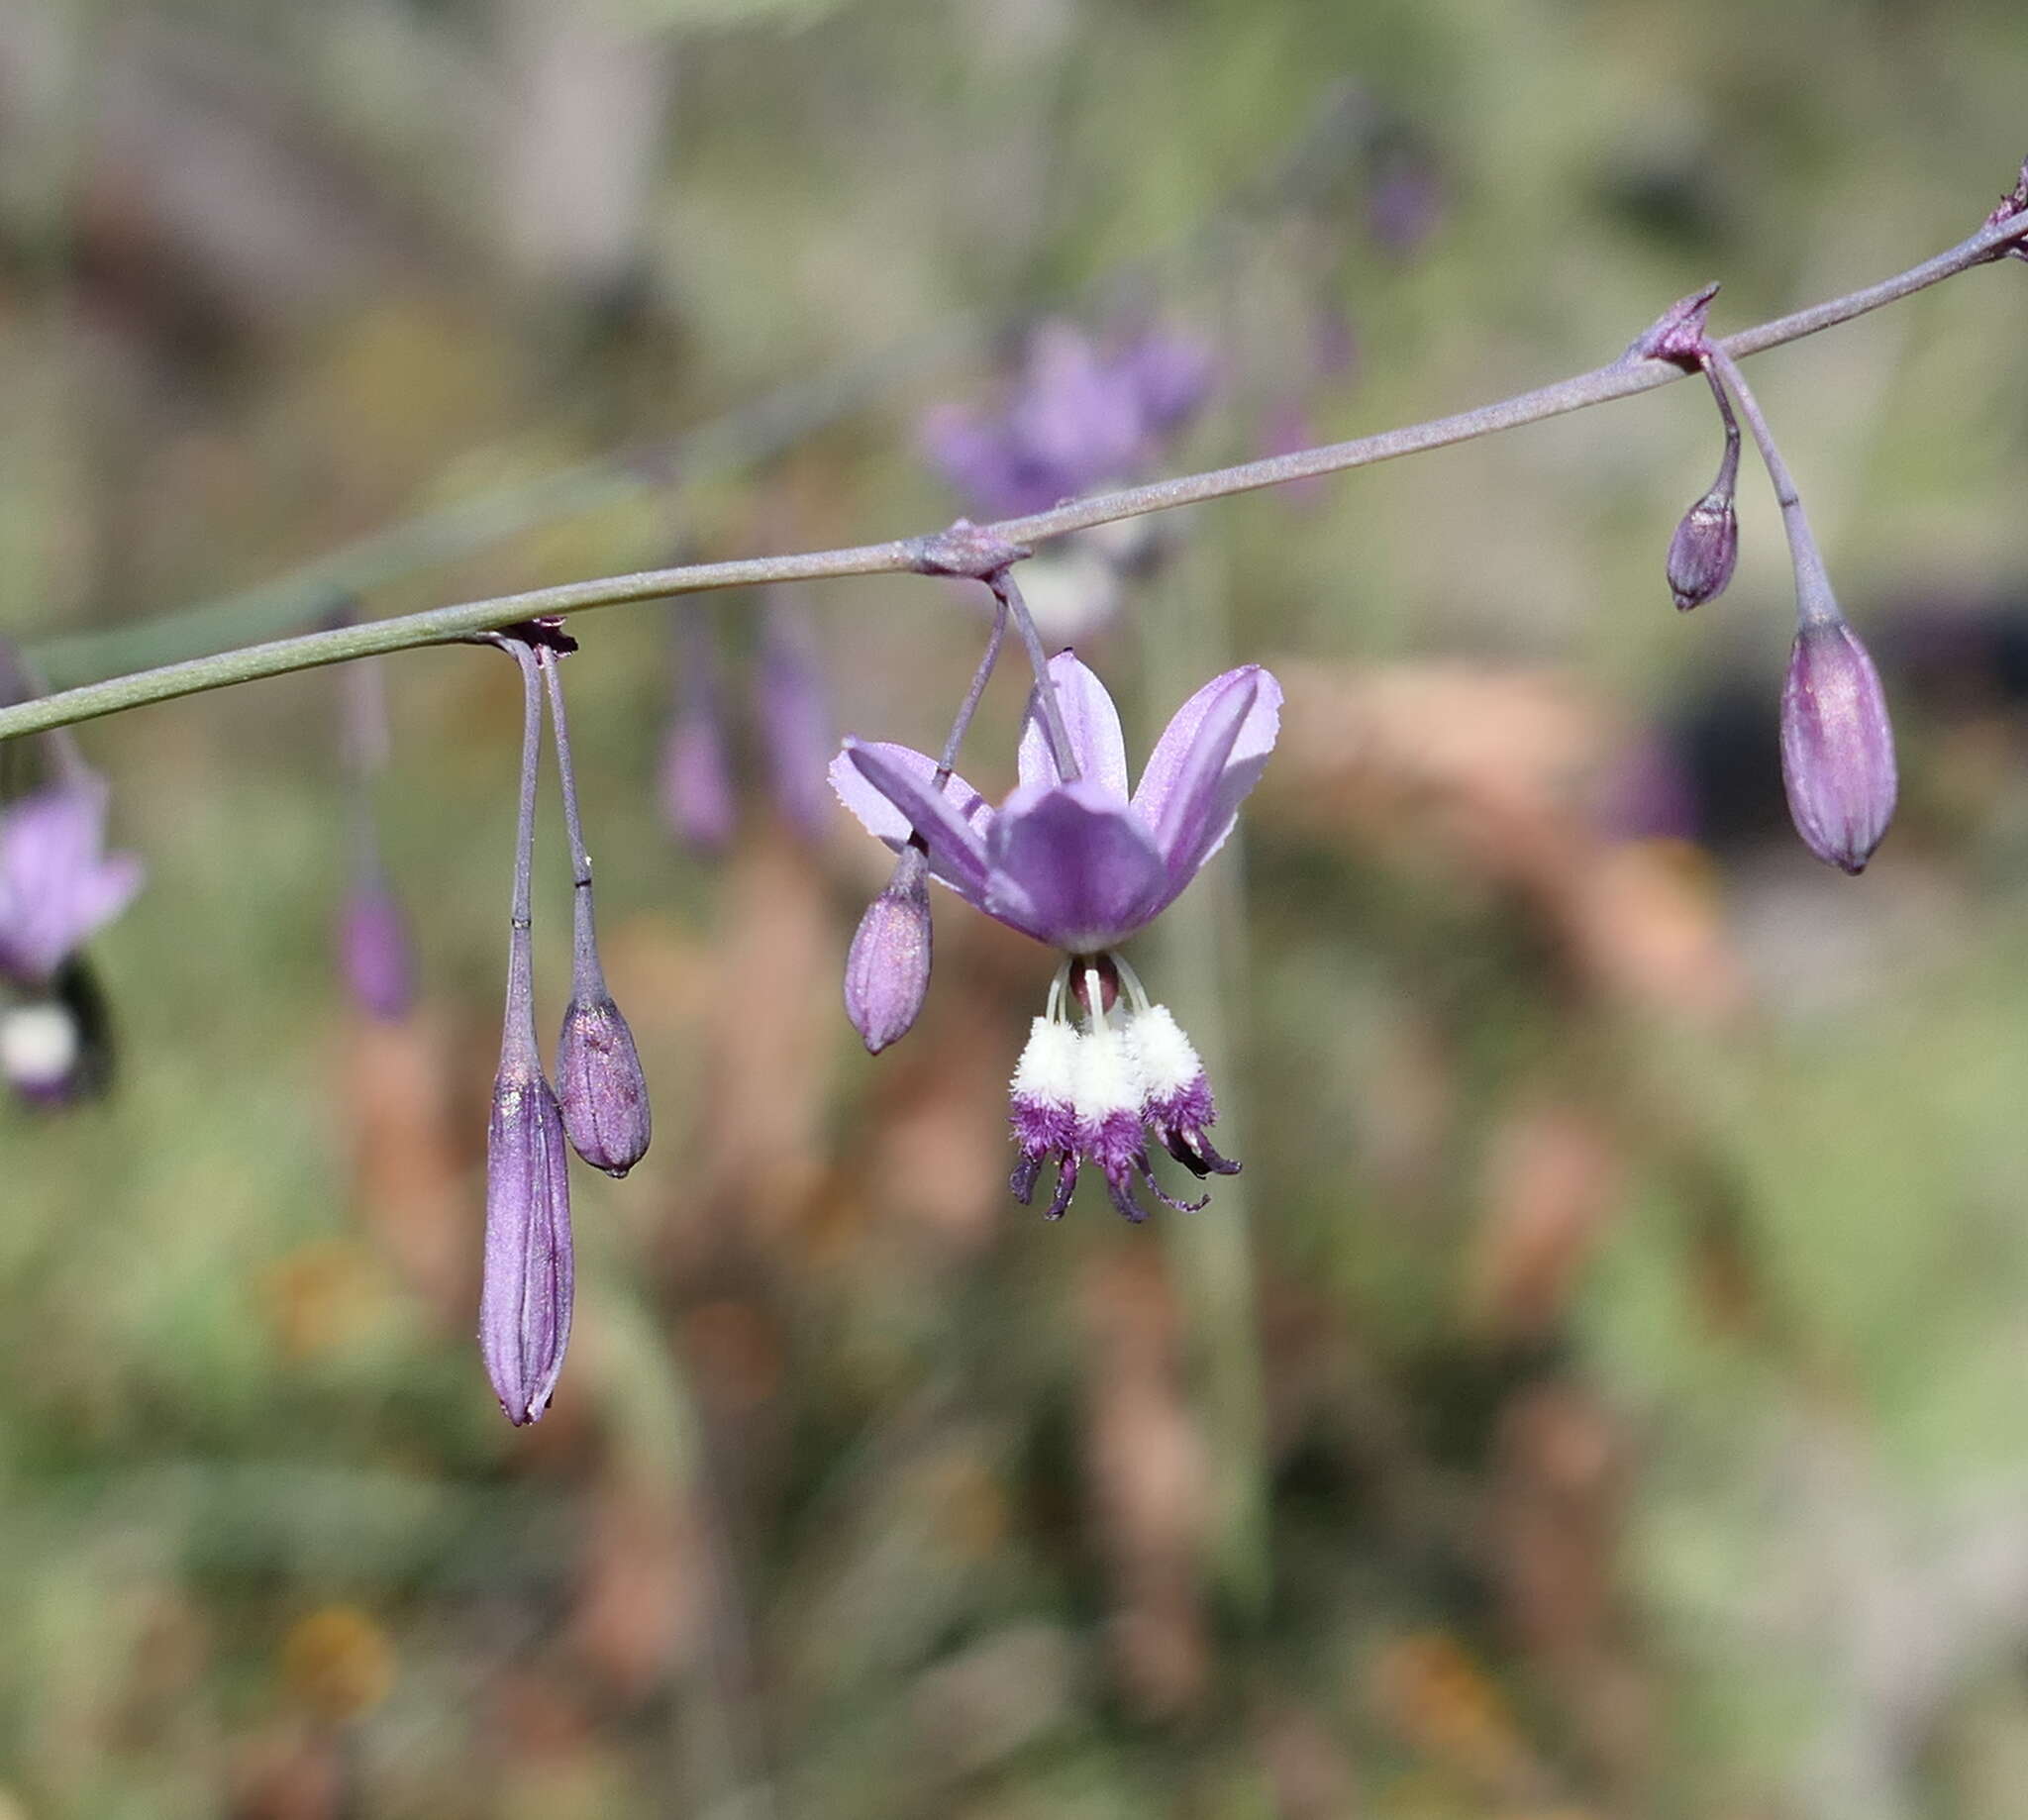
(1621,379)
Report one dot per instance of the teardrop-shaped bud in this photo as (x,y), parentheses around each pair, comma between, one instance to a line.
(1703,551)
(600,1087)
(1837,746)
(526,1296)
(887,971)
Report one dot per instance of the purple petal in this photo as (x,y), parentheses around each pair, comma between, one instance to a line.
(1072,412)
(1072,865)
(888,788)
(56,886)
(1090,720)
(1209,757)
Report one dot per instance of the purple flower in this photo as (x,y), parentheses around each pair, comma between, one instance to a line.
(58,883)
(1075,416)
(1836,746)
(1081,867)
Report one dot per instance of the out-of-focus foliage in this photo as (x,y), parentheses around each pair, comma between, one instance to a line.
(1600,1396)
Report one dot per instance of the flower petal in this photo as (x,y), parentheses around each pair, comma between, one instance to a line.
(56,887)
(888,788)
(1073,866)
(1090,720)
(1209,757)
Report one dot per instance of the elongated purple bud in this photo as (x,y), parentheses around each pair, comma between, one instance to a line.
(1703,551)
(526,1297)
(888,969)
(373,945)
(1836,746)
(600,1087)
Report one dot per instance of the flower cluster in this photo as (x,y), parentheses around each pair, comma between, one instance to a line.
(1073,860)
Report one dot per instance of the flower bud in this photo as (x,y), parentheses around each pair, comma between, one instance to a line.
(887,971)
(599,1085)
(525,1299)
(1836,746)
(1703,551)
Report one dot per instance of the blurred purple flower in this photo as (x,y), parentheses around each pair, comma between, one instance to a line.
(1081,867)
(1074,416)
(1405,205)
(793,712)
(58,883)
(373,946)
(697,765)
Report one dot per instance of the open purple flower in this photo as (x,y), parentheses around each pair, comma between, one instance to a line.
(58,883)
(1081,867)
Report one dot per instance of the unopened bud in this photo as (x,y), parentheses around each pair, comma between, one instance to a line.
(1836,746)
(887,971)
(600,1087)
(526,1296)
(1703,551)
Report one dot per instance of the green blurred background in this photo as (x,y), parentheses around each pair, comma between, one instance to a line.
(1602,1394)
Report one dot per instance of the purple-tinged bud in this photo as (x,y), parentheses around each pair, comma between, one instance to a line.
(600,1087)
(1836,746)
(1703,551)
(526,1296)
(373,946)
(887,971)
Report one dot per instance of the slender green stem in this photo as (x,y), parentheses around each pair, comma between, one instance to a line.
(1622,379)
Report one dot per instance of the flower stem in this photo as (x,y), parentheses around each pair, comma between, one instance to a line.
(518,1044)
(1622,378)
(969,706)
(1008,593)
(1728,464)
(587,976)
(1815,601)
